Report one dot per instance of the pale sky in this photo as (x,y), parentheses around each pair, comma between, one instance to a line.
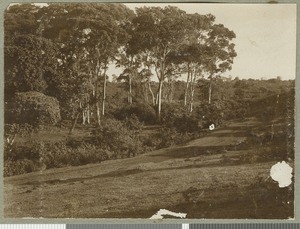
(265,36)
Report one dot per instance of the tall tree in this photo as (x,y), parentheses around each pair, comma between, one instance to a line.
(146,76)
(30,59)
(159,31)
(221,53)
(191,57)
(90,35)
(130,64)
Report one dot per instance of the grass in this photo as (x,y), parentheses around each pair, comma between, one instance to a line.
(54,134)
(205,178)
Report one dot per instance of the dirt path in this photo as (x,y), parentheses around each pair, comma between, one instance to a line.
(204,179)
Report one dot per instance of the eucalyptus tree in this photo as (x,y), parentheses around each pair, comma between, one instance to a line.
(130,64)
(108,34)
(188,60)
(64,24)
(136,62)
(193,52)
(159,31)
(145,78)
(221,52)
(173,72)
(145,75)
(207,51)
(90,35)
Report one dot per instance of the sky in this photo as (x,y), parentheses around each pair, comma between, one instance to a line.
(265,36)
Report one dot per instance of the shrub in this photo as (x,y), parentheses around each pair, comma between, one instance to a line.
(167,137)
(60,155)
(170,111)
(133,123)
(209,114)
(23,129)
(144,112)
(30,151)
(237,108)
(18,167)
(33,108)
(38,155)
(115,137)
(185,123)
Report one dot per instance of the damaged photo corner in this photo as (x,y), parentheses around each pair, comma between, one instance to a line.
(149,112)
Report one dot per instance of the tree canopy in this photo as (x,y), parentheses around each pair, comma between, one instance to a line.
(64,50)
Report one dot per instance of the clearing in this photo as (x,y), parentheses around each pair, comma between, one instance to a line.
(206,178)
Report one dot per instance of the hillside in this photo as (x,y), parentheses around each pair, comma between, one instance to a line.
(220,175)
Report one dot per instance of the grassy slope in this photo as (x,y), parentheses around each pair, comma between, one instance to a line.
(205,179)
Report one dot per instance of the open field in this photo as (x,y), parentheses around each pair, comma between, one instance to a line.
(215,176)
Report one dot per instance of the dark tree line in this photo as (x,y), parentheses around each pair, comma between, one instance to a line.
(65,50)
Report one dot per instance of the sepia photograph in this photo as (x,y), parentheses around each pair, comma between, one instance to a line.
(149,111)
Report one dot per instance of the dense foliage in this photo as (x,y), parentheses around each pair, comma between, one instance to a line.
(170,91)
(33,108)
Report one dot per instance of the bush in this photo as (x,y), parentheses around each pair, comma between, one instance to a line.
(38,155)
(185,123)
(14,129)
(167,137)
(171,111)
(235,109)
(18,167)
(133,123)
(209,114)
(60,155)
(144,112)
(20,152)
(33,108)
(115,137)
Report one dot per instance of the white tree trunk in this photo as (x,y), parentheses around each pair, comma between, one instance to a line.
(191,107)
(159,98)
(104,94)
(98,113)
(151,92)
(130,91)
(88,114)
(186,87)
(210,91)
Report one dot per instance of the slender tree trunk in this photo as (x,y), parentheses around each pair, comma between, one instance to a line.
(83,117)
(161,78)
(83,113)
(74,123)
(98,113)
(104,93)
(88,114)
(130,91)
(93,91)
(151,92)
(210,90)
(96,94)
(191,106)
(187,86)
(159,99)
(145,89)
